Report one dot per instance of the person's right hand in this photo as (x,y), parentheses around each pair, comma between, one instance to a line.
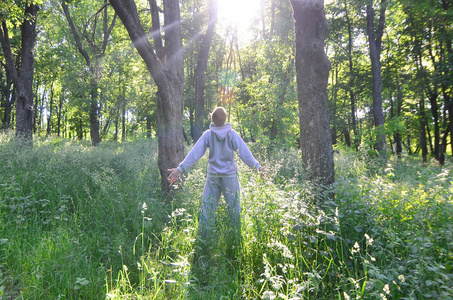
(264,172)
(174,175)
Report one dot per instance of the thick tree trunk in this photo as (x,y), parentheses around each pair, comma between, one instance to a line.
(168,76)
(200,71)
(24,93)
(374,39)
(23,78)
(312,68)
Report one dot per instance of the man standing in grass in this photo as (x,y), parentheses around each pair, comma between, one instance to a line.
(222,176)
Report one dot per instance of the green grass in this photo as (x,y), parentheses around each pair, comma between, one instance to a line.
(78,222)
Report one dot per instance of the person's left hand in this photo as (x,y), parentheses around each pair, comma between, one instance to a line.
(264,172)
(174,175)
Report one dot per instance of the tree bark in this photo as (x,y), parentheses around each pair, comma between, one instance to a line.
(334,105)
(312,69)
(168,76)
(375,41)
(8,102)
(200,71)
(22,78)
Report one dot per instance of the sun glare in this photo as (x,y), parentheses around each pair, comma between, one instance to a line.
(240,13)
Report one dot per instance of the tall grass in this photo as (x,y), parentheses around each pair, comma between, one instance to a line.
(66,209)
(81,222)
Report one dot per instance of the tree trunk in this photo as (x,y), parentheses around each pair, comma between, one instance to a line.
(375,40)
(435,113)
(80,129)
(168,76)
(399,106)
(117,119)
(447,90)
(94,111)
(351,78)
(148,127)
(49,119)
(38,108)
(60,107)
(8,103)
(312,69)
(123,120)
(422,131)
(334,105)
(200,71)
(22,78)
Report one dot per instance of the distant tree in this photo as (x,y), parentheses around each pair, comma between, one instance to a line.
(312,68)
(165,64)
(7,98)
(200,71)
(22,74)
(375,43)
(428,25)
(92,59)
(351,74)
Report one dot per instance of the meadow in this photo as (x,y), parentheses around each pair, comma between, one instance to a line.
(78,222)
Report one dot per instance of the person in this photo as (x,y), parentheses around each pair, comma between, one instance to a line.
(222,172)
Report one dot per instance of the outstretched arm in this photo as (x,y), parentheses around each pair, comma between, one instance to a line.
(244,152)
(247,156)
(194,155)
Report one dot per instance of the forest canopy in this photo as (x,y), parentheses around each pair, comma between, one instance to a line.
(249,69)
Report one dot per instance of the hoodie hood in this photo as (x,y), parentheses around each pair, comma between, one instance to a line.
(221,132)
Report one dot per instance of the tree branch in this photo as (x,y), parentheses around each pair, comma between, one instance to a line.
(11,70)
(74,33)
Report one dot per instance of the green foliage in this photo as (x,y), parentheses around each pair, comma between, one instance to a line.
(266,103)
(66,209)
(82,222)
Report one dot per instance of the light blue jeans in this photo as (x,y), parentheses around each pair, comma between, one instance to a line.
(214,187)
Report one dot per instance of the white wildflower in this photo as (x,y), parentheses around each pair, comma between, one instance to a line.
(356,248)
(386,289)
(269,295)
(369,240)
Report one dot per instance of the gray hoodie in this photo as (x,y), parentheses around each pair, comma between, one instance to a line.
(222,142)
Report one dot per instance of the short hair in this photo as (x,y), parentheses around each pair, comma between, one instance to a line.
(218,116)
